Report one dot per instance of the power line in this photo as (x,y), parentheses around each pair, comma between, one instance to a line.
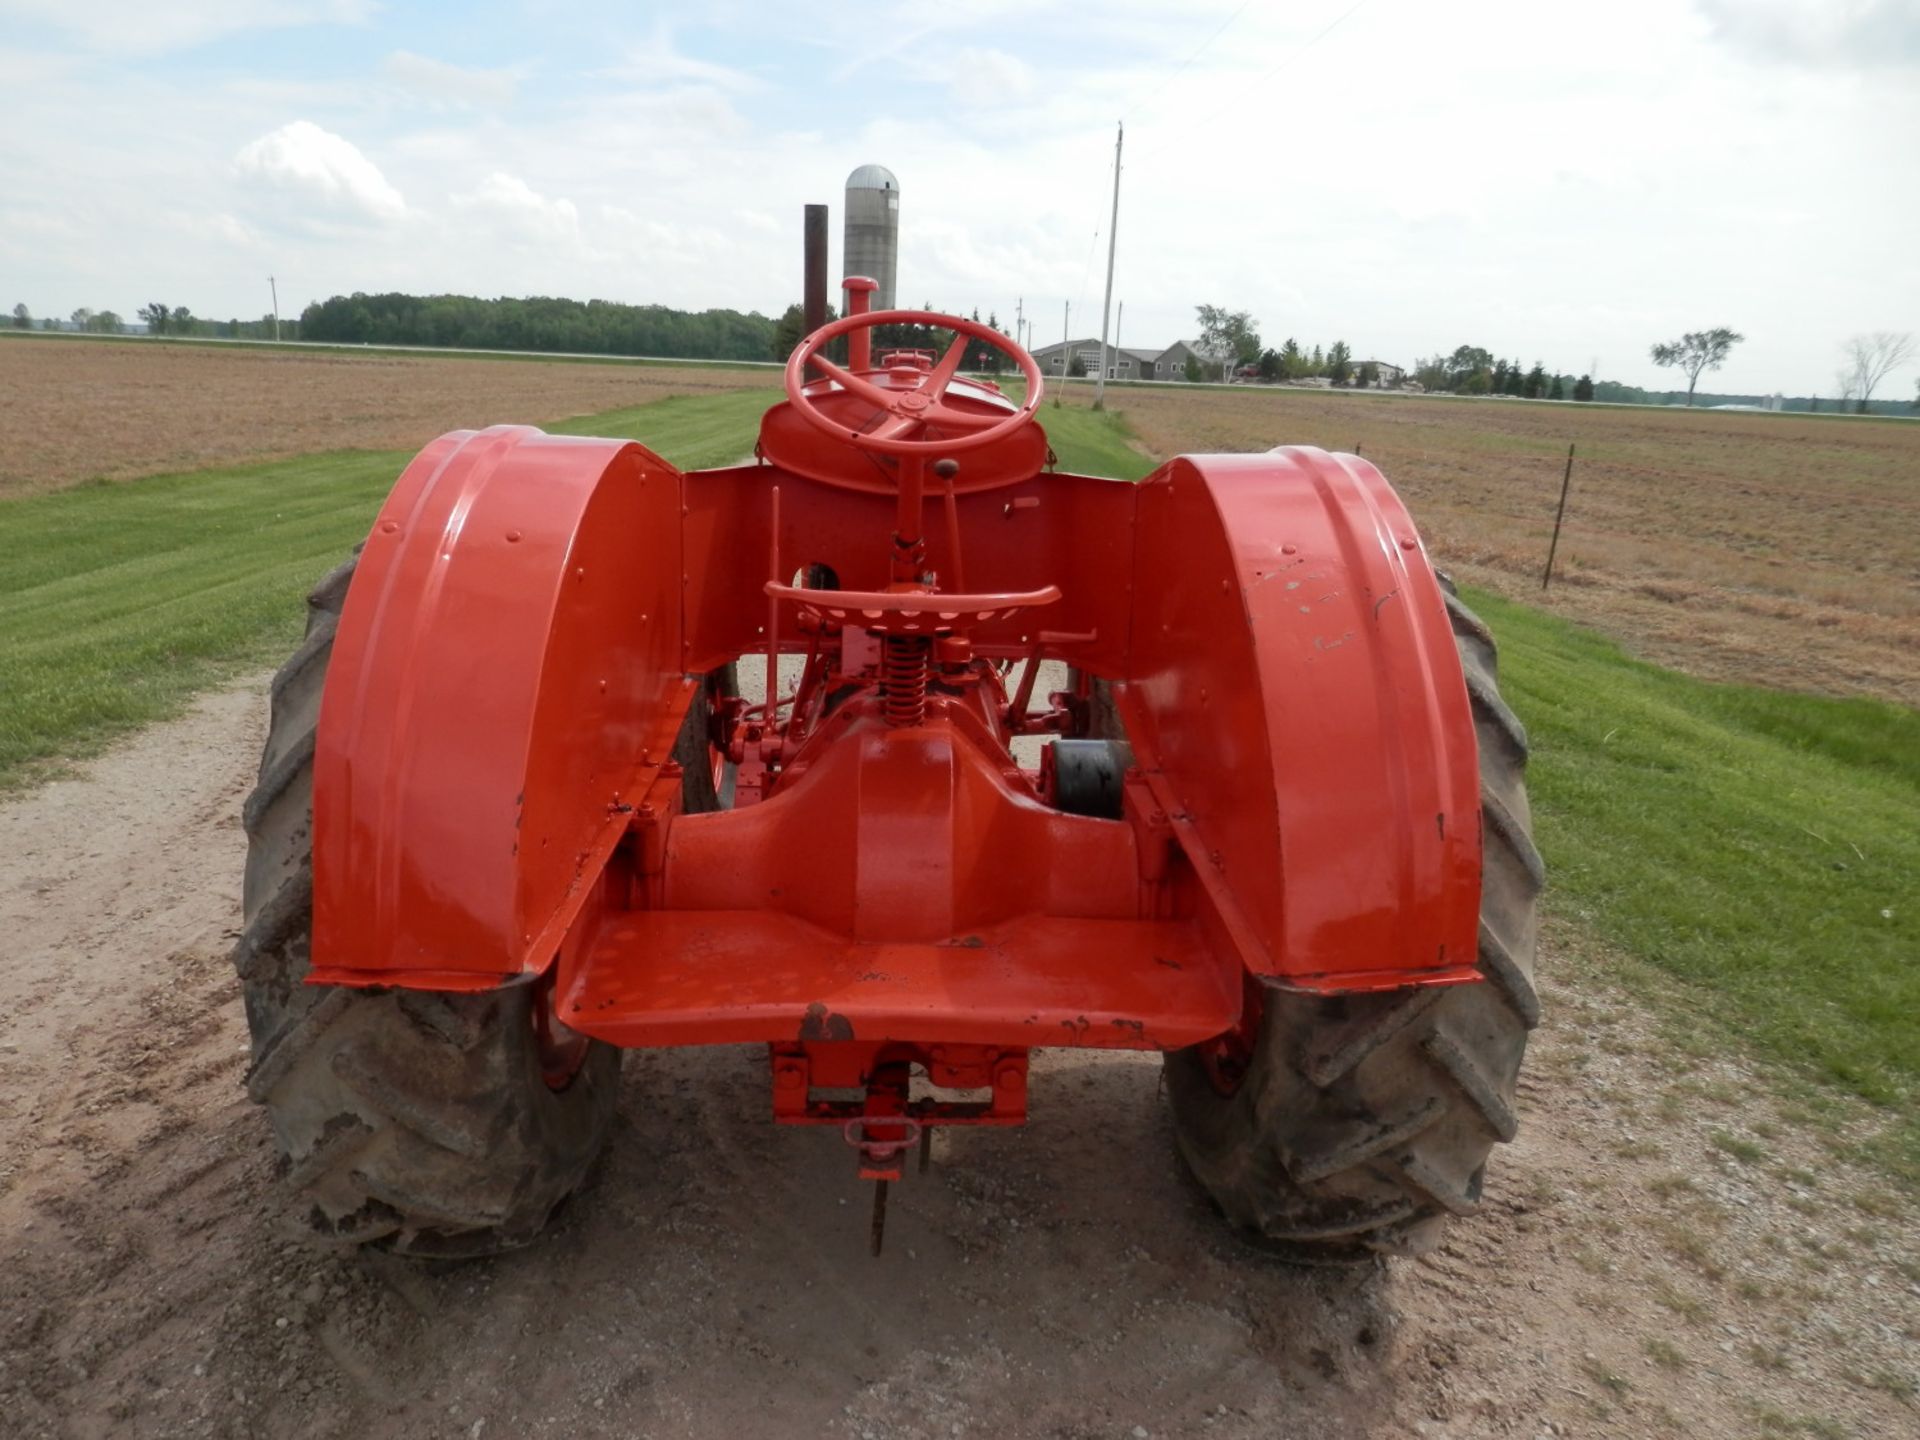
(1291,56)
(1200,50)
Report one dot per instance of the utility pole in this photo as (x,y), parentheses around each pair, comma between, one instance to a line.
(1106,306)
(1019,322)
(1066,335)
(274,286)
(1119,316)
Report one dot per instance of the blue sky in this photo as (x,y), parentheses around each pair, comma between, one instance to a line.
(1552,182)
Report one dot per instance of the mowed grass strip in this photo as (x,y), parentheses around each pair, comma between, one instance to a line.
(118,602)
(1761,846)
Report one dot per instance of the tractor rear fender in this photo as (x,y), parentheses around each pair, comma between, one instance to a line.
(1295,698)
(511,644)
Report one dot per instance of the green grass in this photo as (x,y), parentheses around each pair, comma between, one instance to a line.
(1763,847)
(119,601)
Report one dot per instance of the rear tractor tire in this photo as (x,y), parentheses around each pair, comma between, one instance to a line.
(419,1122)
(1348,1127)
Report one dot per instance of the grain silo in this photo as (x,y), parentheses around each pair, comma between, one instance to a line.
(873,229)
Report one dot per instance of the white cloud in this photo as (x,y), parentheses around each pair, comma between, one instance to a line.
(440,83)
(322,169)
(984,78)
(517,209)
(146,27)
(1843,33)
(658,61)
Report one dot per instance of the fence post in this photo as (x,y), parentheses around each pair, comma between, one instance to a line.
(1546,577)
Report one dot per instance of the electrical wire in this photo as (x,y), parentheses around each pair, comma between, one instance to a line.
(1181,69)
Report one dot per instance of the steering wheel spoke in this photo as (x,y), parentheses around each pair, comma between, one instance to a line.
(936,383)
(868,391)
(895,426)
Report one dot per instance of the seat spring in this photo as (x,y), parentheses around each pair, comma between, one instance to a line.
(903,679)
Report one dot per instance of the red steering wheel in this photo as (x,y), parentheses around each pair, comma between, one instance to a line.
(903,419)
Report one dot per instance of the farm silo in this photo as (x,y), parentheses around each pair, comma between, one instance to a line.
(873,229)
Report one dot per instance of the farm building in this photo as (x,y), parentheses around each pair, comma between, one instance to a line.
(1130,363)
(1391,376)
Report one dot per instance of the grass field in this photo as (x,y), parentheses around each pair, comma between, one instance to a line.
(1756,846)
(1759,846)
(117,602)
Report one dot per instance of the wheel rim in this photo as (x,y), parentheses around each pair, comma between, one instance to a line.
(1228,1056)
(560,1049)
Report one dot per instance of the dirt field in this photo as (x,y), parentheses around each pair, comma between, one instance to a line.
(1661,1253)
(77,409)
(1778,549)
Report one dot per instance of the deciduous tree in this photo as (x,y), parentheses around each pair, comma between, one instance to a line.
(1229,336)
(1869,359)
(22,318)
(1695,352)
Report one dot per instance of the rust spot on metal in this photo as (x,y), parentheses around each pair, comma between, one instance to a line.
(1138,1027)
(820,1023)
(965,942)
(1440,821)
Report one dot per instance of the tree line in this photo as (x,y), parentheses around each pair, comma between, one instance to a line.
(538,322)
(160,320)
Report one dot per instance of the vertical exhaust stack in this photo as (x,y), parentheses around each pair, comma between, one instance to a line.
(814,286)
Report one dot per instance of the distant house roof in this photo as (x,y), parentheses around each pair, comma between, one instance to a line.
(1090,343)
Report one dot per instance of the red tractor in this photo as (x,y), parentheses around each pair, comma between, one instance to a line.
(515,815)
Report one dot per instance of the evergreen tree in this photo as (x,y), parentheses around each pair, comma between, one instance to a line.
(1534,386)
(1583,388)
(1557,391)
(1516,379)
(1338,367)
(1500,378)
(1318,364)
(1291,360)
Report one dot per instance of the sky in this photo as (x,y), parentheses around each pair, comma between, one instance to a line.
(1564,183)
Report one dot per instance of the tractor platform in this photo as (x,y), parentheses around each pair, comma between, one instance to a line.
(660,978)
